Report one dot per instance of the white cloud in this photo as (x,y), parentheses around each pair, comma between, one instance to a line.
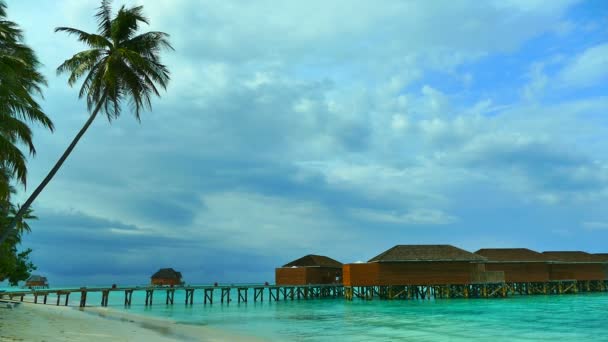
(255,221)
(284,119)
(537,82)
(587,69)
(412,217)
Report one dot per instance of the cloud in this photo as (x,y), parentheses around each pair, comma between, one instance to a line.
(280,136)
(413,217)
(586,69)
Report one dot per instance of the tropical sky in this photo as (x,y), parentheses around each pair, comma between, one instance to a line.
(337,127)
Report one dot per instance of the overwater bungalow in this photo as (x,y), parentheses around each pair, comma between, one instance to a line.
(36,281)
(310,269)
(520,265)
(575,265)
(167,276)
(420,265)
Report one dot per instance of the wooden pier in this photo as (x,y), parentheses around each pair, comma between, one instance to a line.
(240,293)
(480,290)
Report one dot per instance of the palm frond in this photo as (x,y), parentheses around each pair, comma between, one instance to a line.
(92,40)
(20,84)
(104,18)
(149,44)
(126,23)
(122,66)
(13,159)
(80,64)
(17,131)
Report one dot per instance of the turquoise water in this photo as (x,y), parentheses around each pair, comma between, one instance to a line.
(582,317)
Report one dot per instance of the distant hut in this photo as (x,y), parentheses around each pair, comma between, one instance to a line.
(36,281)
(310,269)
(167,276)
(520,265)
(420,265)
(575,265)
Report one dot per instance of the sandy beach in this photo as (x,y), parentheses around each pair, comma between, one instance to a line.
(37,323)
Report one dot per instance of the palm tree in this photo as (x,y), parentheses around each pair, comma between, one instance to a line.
(119,65)
(20,81)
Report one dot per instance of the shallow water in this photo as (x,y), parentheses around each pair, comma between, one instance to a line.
(525,318)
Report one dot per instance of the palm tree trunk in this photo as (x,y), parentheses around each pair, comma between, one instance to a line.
(50,175)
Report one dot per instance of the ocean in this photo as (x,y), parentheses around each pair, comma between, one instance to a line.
(581,317)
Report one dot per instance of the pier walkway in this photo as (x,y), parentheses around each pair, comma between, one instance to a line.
(226,293)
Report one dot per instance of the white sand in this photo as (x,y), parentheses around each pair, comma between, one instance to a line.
(37,323)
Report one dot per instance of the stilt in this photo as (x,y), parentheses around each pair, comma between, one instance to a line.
(242,294)
(104,297)
(208,296)
(83,298)
(226,294)
(149,296)
(128,296)
(170,296)
(258,292)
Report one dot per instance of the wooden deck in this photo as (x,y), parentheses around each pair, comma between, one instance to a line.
(226,293)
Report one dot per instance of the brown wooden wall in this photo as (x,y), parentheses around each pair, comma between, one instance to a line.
(160,281)
(307,275)
(410,273)
(579,271)
(361,274)
(35,283)
(521,272)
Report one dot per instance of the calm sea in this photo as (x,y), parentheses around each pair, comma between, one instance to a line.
(582,317)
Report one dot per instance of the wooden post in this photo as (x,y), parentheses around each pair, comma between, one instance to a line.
(58,298)
(208,296)
(258,292)
(170,296)
(242,294)
(67,297)
(83,298)
(104,297)
(128,297)
(226,294)
(271,295)
(189,296)
(45,296)
(149,296)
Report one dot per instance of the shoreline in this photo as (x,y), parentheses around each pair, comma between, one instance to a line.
(39,322)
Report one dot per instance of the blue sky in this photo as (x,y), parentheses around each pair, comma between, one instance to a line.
(331,127)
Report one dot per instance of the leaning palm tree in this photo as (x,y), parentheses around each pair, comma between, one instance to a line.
(20,83)
(119,65)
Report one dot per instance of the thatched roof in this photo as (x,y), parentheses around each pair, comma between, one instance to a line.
(426,253)
(572,256)
(312,260)
(511,255)
(167,273)
(36,278)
